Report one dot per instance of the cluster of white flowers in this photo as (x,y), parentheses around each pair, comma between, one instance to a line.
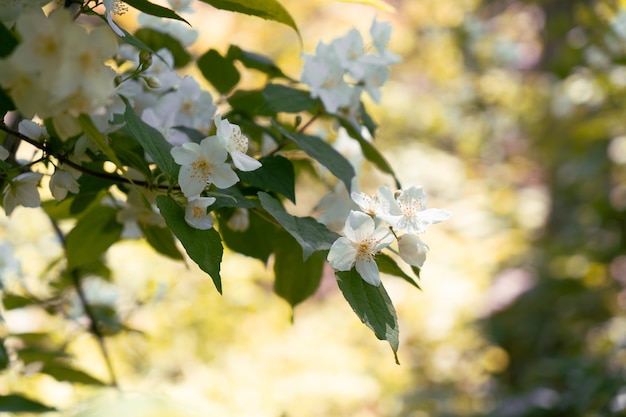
(340,71)
(58,68)
(404,212)
(204,164)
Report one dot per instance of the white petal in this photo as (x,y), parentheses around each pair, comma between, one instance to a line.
(190,183)
(223,176)
(435,215)
(359,226)
(213,150)
(186,154)
(387,202)
(342,254)
(412,250)
(4,154)
(244,162)
(384,237)
(196,213)
(368,270)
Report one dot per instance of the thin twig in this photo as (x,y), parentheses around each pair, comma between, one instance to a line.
(93,321)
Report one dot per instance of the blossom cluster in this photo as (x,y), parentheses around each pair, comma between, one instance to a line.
(340,71)
(406,217)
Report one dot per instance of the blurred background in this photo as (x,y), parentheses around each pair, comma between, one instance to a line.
(511,115)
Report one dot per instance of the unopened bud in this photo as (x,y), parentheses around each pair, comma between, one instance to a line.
(145,59)
(152,82)
(118,80)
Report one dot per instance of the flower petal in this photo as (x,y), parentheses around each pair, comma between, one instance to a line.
(223,176)
(368,270)
(342,254)
(244,162)
(359,226)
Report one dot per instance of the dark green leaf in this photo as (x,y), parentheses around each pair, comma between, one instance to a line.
(130,153)
(6,104)
(162,240)
(295,280)
(15,403)
(12,301)
(93,234)
(7,41)
(64,372)
(281,98)
(152,142)
(372,305)
(255,61)
(4,356)
(246,102)
(275,174)
(266,9)
(156,40)
(369,151)
(91,190)
(325,154)
(58,210)
(36,354)
(387,265)
(311,235)
(204,247)
(256,241)
(367,120)
(231,197)
(154,9)
(219,71)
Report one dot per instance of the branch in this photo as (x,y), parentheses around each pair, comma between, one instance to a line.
(67,161)
(93,321)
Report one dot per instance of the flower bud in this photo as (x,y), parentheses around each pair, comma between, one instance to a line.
(152,82)
(412,250)
(145,60)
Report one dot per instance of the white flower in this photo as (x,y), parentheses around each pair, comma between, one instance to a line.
(236,143)
(335,207)
(349,49)
(189,105)
(117,7)
(407,211)
(63,181)
(162,118)
(33,130)
(412,250)
(4,153)
(22,190)
(359,245)
(196,212)
(324,74)
(369,204)
(380,33)
(203,164)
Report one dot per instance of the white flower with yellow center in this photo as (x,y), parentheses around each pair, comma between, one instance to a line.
(360,244)
(203,164)
(236,143)
(117,7)
(407,211)
(196,214)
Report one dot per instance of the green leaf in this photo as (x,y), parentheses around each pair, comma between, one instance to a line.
(246,101)
(154,9)
(67,373)
(369,151)
(130,153)
(156,40)
(162,240)
(256,61)
(231,197)
(281,98)
(152,142)
(15,403)
(92,132)
(93,234)
(387,265)
(311,235)
(325,154)
(6,104)
(219,71)
(204,247)
(91,188)
(275,174)
(266,9)
(372,305)
(7,41)
(295,280)
(13,301)
(257,241)
(4,355)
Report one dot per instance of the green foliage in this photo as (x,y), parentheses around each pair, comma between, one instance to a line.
(15,403)
(275,175)
(155,40)
(255,61)
(311,235)
(266,9)
(204,247)
(219,71)
(372,305)
(387,265)
(154,9)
